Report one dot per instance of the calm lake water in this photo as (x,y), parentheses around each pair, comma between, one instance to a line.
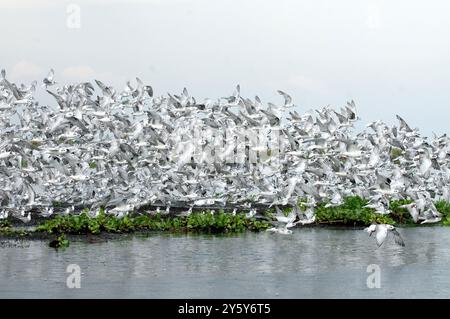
(310,263)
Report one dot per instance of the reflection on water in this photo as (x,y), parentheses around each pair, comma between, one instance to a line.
(311,263)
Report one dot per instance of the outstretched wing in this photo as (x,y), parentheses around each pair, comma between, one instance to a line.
(51,74)
(397,238)
(287,97)
(403,124)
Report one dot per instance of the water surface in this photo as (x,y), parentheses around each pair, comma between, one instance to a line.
(310,263)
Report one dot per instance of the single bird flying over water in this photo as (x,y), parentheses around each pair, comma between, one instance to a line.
(382,231)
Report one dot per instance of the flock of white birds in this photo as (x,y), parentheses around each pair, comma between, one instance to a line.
(98,147)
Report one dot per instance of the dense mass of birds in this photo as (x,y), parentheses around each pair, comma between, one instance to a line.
(98,147)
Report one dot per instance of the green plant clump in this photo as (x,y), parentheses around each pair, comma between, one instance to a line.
(443,207)
(7,230)
(60,242)
(4,223)
(196,222)
(400,215)
(352,213)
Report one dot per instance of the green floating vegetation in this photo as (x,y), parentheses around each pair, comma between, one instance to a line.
(444,208)
(4,227)
(196,222)
(4,223)
(7,230)
(60,241)
(400,215)
(351,213)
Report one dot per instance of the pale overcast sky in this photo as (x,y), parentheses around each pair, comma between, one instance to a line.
(391,57)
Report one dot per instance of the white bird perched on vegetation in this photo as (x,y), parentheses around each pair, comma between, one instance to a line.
(251,213)
(120,211)
(25,218)
(185,213)
(4,214)
(48,211)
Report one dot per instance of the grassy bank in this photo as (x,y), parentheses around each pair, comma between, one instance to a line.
(351,213)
